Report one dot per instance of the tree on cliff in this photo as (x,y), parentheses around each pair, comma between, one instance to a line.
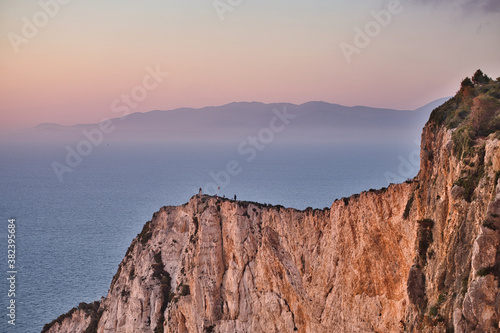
(480,78)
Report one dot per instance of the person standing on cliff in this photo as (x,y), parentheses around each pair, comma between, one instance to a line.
(235,197)
(199,192)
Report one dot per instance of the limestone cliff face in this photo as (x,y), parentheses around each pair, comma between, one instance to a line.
(422,256)
(78,321)
(457,254)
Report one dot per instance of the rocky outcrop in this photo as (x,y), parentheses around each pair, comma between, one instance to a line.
(422,256)
(83,318)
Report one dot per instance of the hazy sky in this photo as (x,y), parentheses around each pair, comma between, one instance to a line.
(81,56)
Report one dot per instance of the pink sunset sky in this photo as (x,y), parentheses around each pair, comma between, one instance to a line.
(84,55)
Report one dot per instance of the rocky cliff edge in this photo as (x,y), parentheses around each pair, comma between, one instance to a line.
(422,256)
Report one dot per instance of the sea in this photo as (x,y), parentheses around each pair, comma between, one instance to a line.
(71,233)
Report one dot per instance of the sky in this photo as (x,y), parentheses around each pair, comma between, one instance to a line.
(73,61)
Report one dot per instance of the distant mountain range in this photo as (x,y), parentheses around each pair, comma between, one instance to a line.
(309,123)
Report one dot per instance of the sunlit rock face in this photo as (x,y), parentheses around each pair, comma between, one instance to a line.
(422,256)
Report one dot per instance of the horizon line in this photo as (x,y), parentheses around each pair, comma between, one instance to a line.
(226,104)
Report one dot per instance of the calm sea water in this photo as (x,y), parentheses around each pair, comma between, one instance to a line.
(71,236)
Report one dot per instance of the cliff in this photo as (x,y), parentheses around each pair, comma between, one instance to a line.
(422,256)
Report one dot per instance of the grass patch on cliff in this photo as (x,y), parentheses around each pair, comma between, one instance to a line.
(259,205)
(471,180)
(434,310)
(474,112)
(475,104)
(463,141)
(443,114)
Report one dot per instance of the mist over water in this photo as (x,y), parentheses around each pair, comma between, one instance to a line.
(71,236)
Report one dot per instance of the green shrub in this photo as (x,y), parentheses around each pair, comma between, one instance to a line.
(441,114)
(462,142)
(471,181)
(433,311)
(480,78)
(441,299)
(475,107)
